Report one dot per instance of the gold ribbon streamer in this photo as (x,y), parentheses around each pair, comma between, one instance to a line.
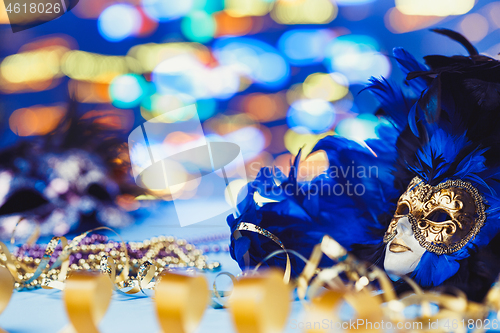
(335,252)
(63,261)
(63,258)
(367,307)
(359,273)
(10,263)
(322,308)
(32,272)
(218,302)
(261,303)
(86,298)
(6,288)
(492,299)
(31,239)
(180,302)
(362,285)
(245,226)
(49,251)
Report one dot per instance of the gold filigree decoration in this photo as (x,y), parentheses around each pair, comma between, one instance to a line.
(444,218)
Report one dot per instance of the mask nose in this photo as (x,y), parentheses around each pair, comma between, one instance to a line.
(404,226)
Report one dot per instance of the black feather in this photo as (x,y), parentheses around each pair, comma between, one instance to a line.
(430,102)
(458,38)
(440,61)
(485,94)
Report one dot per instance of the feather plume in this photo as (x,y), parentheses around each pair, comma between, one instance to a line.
(459,38)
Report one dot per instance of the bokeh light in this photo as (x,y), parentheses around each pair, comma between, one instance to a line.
(118,22)
(474,27)
(352,2)
(166,10)
(265,107)
(435,8)
(270,75)
(305,46)
(86,66)
(239,8)
(206,108)
(89,92)
(314,115)
(493,10)
(178,172)
(399,23)
(36,120)
(357,57)
(294,141)
(151,54)
(32,70)
(127,90)
(235,26)
(304,11)
(159,104)
(360,128)
(199,26)
(187,75)
(330,87)
(148,25)
(223,82)
(232,190)
(114,119)
(250,139)
(253,58)
(4,19)
(183,74)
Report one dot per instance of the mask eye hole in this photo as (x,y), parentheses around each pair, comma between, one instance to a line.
(439,216)
(402,209)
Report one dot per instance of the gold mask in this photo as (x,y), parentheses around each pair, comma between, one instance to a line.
(443,217)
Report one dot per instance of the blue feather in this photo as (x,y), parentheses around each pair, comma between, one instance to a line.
(433,269)
(443,151)
(412,120)
(392,100)
(407,63)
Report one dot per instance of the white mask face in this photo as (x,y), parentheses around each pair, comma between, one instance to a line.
(403,253)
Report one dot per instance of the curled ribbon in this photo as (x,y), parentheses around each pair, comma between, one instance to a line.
(6,288)
(180,302)
(144,279)
(492,299)
(245,226)
(368,290)
(63,261)
(367,307)
(217,301)
(86,298)
(260,303)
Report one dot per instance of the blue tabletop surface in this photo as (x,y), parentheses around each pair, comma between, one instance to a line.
(42,311)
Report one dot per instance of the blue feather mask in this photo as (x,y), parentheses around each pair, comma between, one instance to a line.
(440,132)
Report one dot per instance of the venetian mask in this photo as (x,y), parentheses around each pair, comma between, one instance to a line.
(442,219)
(403,252)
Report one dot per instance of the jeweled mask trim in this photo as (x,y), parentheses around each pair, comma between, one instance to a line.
(423,193)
